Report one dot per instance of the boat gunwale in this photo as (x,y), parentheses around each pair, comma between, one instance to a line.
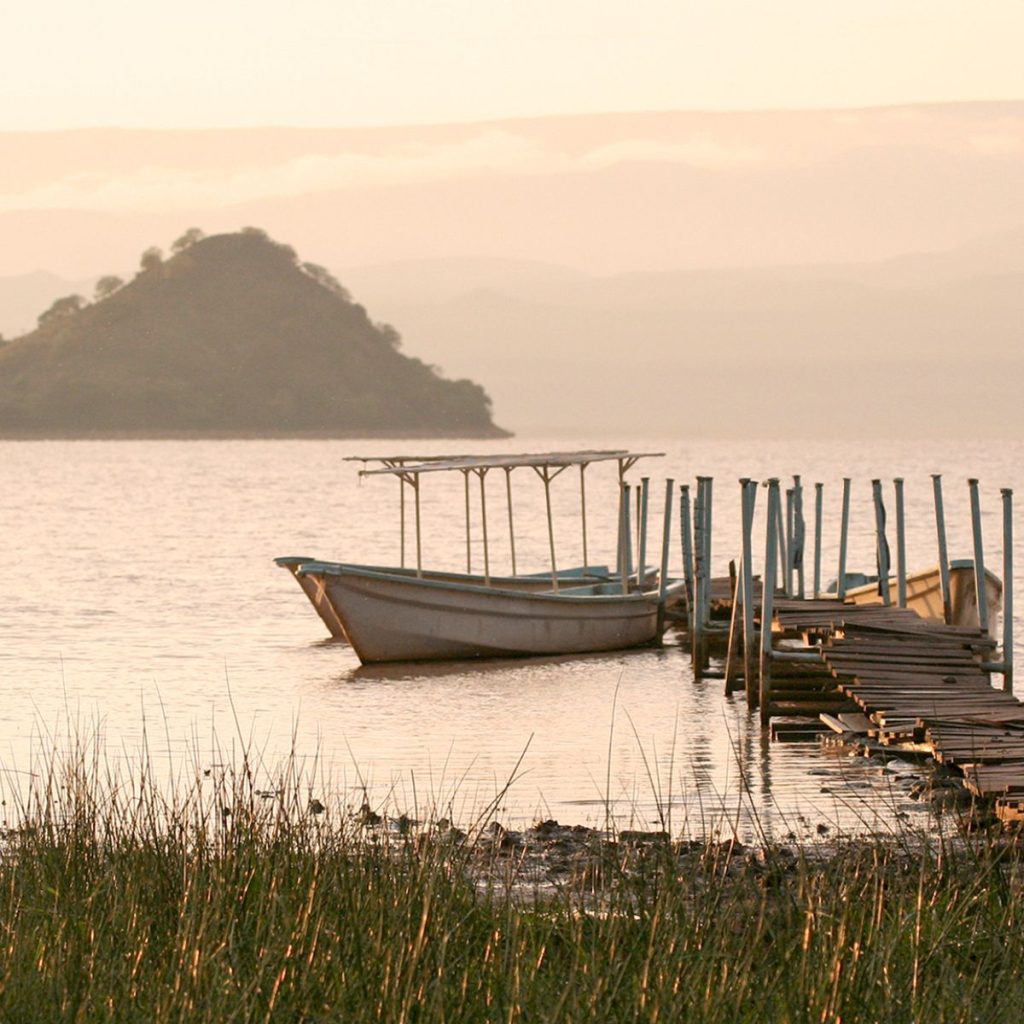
(563,595)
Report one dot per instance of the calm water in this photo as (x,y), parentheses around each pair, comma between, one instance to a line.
(140,602)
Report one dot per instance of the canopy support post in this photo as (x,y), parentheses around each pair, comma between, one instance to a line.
(511,528)
(482,473)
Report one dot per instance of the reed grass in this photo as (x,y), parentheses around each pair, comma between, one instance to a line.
(215,900)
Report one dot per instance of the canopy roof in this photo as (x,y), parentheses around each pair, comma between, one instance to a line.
(465,463)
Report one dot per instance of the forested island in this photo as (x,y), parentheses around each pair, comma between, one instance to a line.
(229,336)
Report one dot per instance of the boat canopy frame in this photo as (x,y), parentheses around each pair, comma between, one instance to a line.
(547,465)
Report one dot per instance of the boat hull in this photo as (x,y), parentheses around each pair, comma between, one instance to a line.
(924,595)
(391,618)
(313,584)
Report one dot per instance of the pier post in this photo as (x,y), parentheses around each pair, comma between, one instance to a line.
(749,497)
(787,584)
(901,545)
(881,544)
(739,599)
(768,600)
(940,529)
(666,540)
(697,633)
(735,611)
(799,534)
(979,556)
(783,555)
(1007,494)
(818,508)
(621,568)
(686,533)
(844,531)
(641,553)
(706,607)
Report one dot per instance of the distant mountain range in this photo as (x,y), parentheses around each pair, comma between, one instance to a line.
(924,345)
(231,336)
(858,270)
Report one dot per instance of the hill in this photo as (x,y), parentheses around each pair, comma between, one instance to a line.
(232,336)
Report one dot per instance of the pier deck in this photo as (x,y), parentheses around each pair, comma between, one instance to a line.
(920,686)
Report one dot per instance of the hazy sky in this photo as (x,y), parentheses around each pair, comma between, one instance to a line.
(364,62)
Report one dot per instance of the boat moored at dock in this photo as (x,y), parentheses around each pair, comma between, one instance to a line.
(410,613)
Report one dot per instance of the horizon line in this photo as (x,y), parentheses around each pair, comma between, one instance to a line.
(515,118)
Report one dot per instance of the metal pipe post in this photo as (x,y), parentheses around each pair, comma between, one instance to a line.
(787,577)
(844,532)
(708,502)
(511,526)
(551,528)
(940,529)
(748,496)
(819,497)
(799,534)
(697,631)
(881,544)
(666,540)
(583,510)
(419,541)
(627,547)
(469,547)
(482,473)
(783,555)
(901,545)
(687,544)
(401,519)
(1007,589)
(979,556)
(768,600)
(623,538)
(641,553)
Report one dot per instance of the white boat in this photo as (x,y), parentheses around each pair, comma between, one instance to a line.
(924,595)
(312,582)
(415,614)
(406,618)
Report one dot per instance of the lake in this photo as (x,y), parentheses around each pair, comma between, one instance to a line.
(141,609)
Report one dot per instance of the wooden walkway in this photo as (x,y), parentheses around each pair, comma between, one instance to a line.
(911,684)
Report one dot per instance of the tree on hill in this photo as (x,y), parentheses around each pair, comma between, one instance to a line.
(190,237)
(151,258)
(323,276)
(61,308)
(106,286)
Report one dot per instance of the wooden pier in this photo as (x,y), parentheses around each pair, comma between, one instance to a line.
(882,672)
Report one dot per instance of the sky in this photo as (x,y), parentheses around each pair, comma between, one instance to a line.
(389,62)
